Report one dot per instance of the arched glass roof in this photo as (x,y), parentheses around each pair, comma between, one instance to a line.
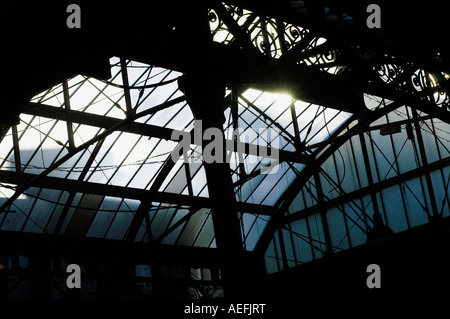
(133,159)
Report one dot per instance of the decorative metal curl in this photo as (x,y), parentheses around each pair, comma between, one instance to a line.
(423,81)
(294,34)
(420,80)
(291,34)
(322,58)
(193,293)
(212,16)
(265,37)
(387,72)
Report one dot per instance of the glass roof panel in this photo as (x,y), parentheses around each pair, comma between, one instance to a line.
(134,157)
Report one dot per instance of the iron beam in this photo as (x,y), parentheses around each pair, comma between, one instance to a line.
(150,130)
(68,185)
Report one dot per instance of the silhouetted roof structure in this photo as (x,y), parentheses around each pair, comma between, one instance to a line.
(354,123)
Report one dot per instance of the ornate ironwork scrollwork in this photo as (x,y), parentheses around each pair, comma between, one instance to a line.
(264,32)
(323,59)
(387,72)
(426,82)
(293,35)
(420,81)
(265,37)
(218,29)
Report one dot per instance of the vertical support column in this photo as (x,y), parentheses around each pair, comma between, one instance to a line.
(423,155)
(17,160)
(323,216)
(379,229)
(205,94)
(283,249)
(68,115)
(296,127)
(187,171)
(205,97)
(234,106)
(126,87)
